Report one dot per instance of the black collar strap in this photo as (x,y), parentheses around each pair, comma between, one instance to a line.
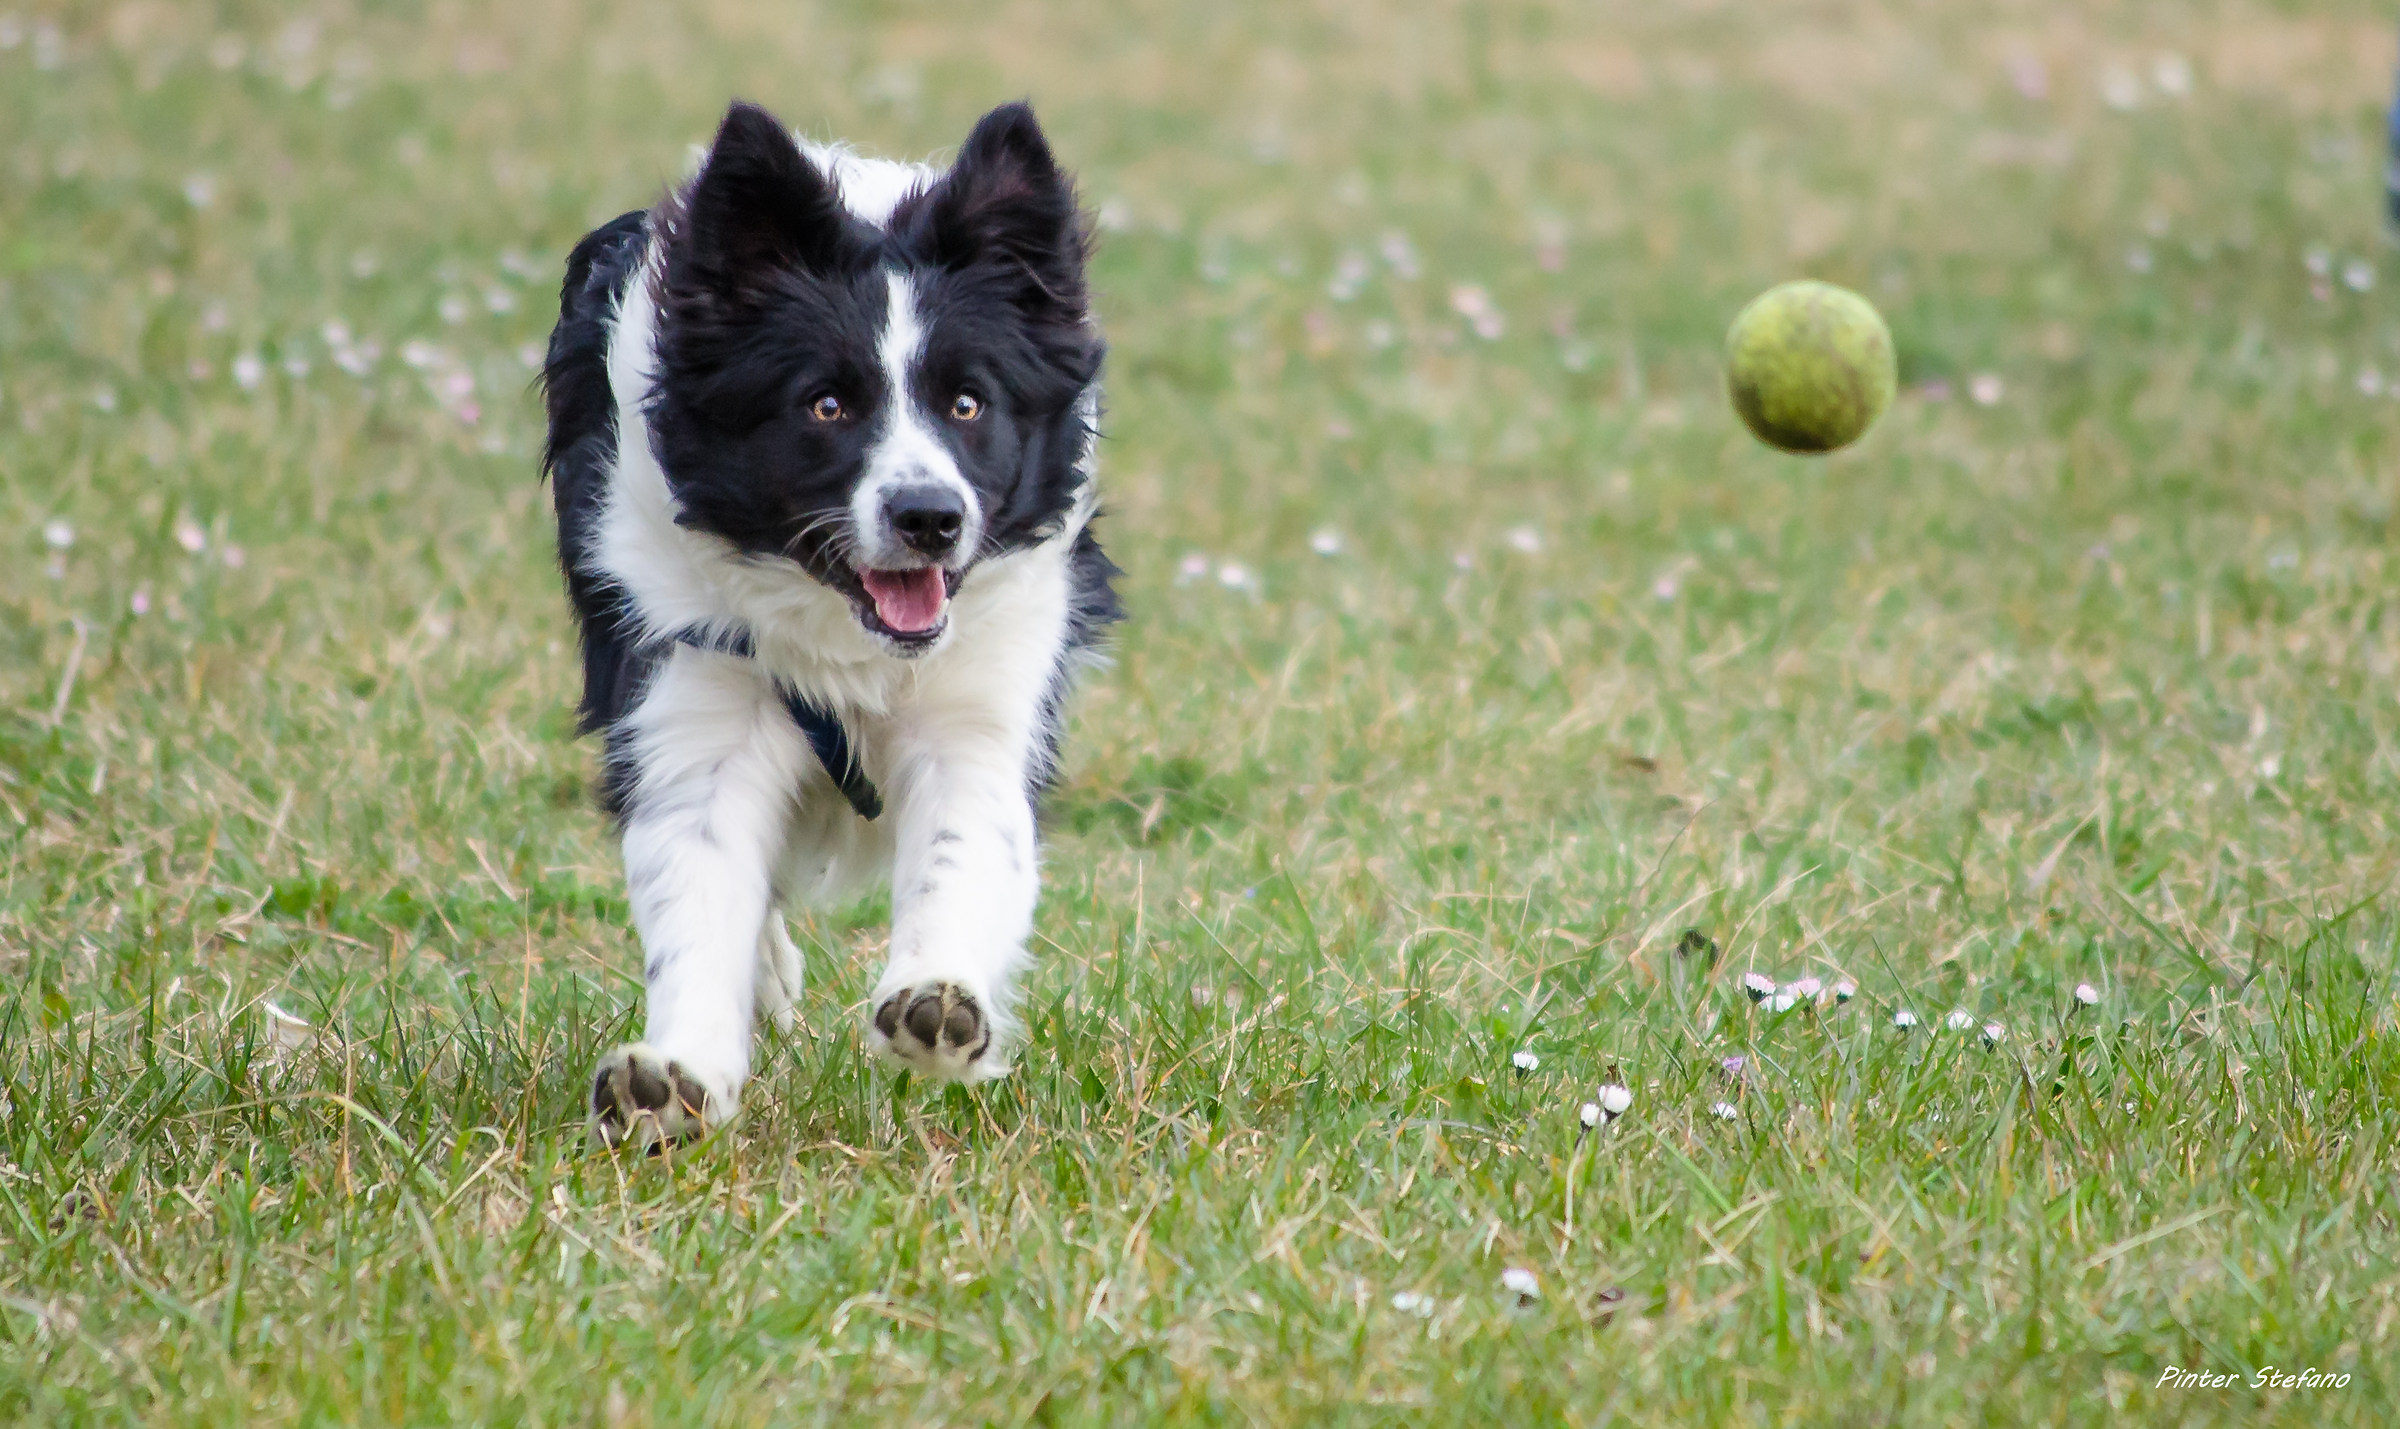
(824,729)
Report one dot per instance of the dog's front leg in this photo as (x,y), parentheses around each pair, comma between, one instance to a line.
(964,882)
(710,761)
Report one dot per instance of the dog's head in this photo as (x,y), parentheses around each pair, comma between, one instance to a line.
(884,404)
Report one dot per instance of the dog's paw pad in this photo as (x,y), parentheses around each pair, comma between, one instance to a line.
(936,1029)
(640,1097)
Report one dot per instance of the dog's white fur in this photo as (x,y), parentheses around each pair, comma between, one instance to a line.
(731,817)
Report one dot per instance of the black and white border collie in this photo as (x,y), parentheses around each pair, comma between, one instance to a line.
(821,434)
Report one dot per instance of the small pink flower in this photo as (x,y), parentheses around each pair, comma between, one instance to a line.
(2029,77)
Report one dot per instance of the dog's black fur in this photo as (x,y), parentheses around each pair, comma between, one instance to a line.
(772,294)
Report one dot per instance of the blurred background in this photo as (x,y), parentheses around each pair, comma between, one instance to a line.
(1436,291)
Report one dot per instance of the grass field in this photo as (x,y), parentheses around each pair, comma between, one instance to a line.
(2079,670)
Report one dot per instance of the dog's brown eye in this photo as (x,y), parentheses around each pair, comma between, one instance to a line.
(827,408)
(965,407)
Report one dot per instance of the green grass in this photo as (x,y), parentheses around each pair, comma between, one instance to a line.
(2091,683)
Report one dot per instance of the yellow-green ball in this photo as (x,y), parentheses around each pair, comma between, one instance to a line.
(1810,367)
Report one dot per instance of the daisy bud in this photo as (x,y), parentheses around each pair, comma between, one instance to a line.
(1725,1111)
(1994,1034)
(1521,1286)
(1614,1100)
(2087,994)
(1525,1061)
(1904,1019)
(1844,990)
(1758,985)
(1960,1020)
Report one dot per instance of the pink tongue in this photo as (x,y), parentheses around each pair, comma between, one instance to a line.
(910,602)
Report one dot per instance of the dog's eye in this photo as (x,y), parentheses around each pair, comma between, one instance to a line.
(965,407)
(827,408)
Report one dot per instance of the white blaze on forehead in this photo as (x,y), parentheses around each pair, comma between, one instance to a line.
(903,336)
(907,451)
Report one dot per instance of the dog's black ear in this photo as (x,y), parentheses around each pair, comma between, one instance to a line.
(1006,201)
(758,207)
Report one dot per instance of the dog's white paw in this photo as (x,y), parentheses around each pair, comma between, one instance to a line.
(939,1030)
(639,1096)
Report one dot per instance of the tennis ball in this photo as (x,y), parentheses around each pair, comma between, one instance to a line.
(1809,366)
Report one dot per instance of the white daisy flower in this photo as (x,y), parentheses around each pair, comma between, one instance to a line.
(1805,988)
(1960,1020)
(1783,1002)
(1759,986)
(1904,1019)
(2172,73)
(1349,277)
(286,1033)
(1724,1111)
(1413,1302)
(1327,542)
(58,533)
(1614,1100)
(1994,1034)
(2087,994)
(1844,990)
(1590,1115)
(1522,1285)
(1525,1060)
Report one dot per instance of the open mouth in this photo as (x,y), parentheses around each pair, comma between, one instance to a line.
(907,605)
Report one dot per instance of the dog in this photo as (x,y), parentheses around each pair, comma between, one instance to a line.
(821,435)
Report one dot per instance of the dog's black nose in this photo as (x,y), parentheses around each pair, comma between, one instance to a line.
(927,517)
